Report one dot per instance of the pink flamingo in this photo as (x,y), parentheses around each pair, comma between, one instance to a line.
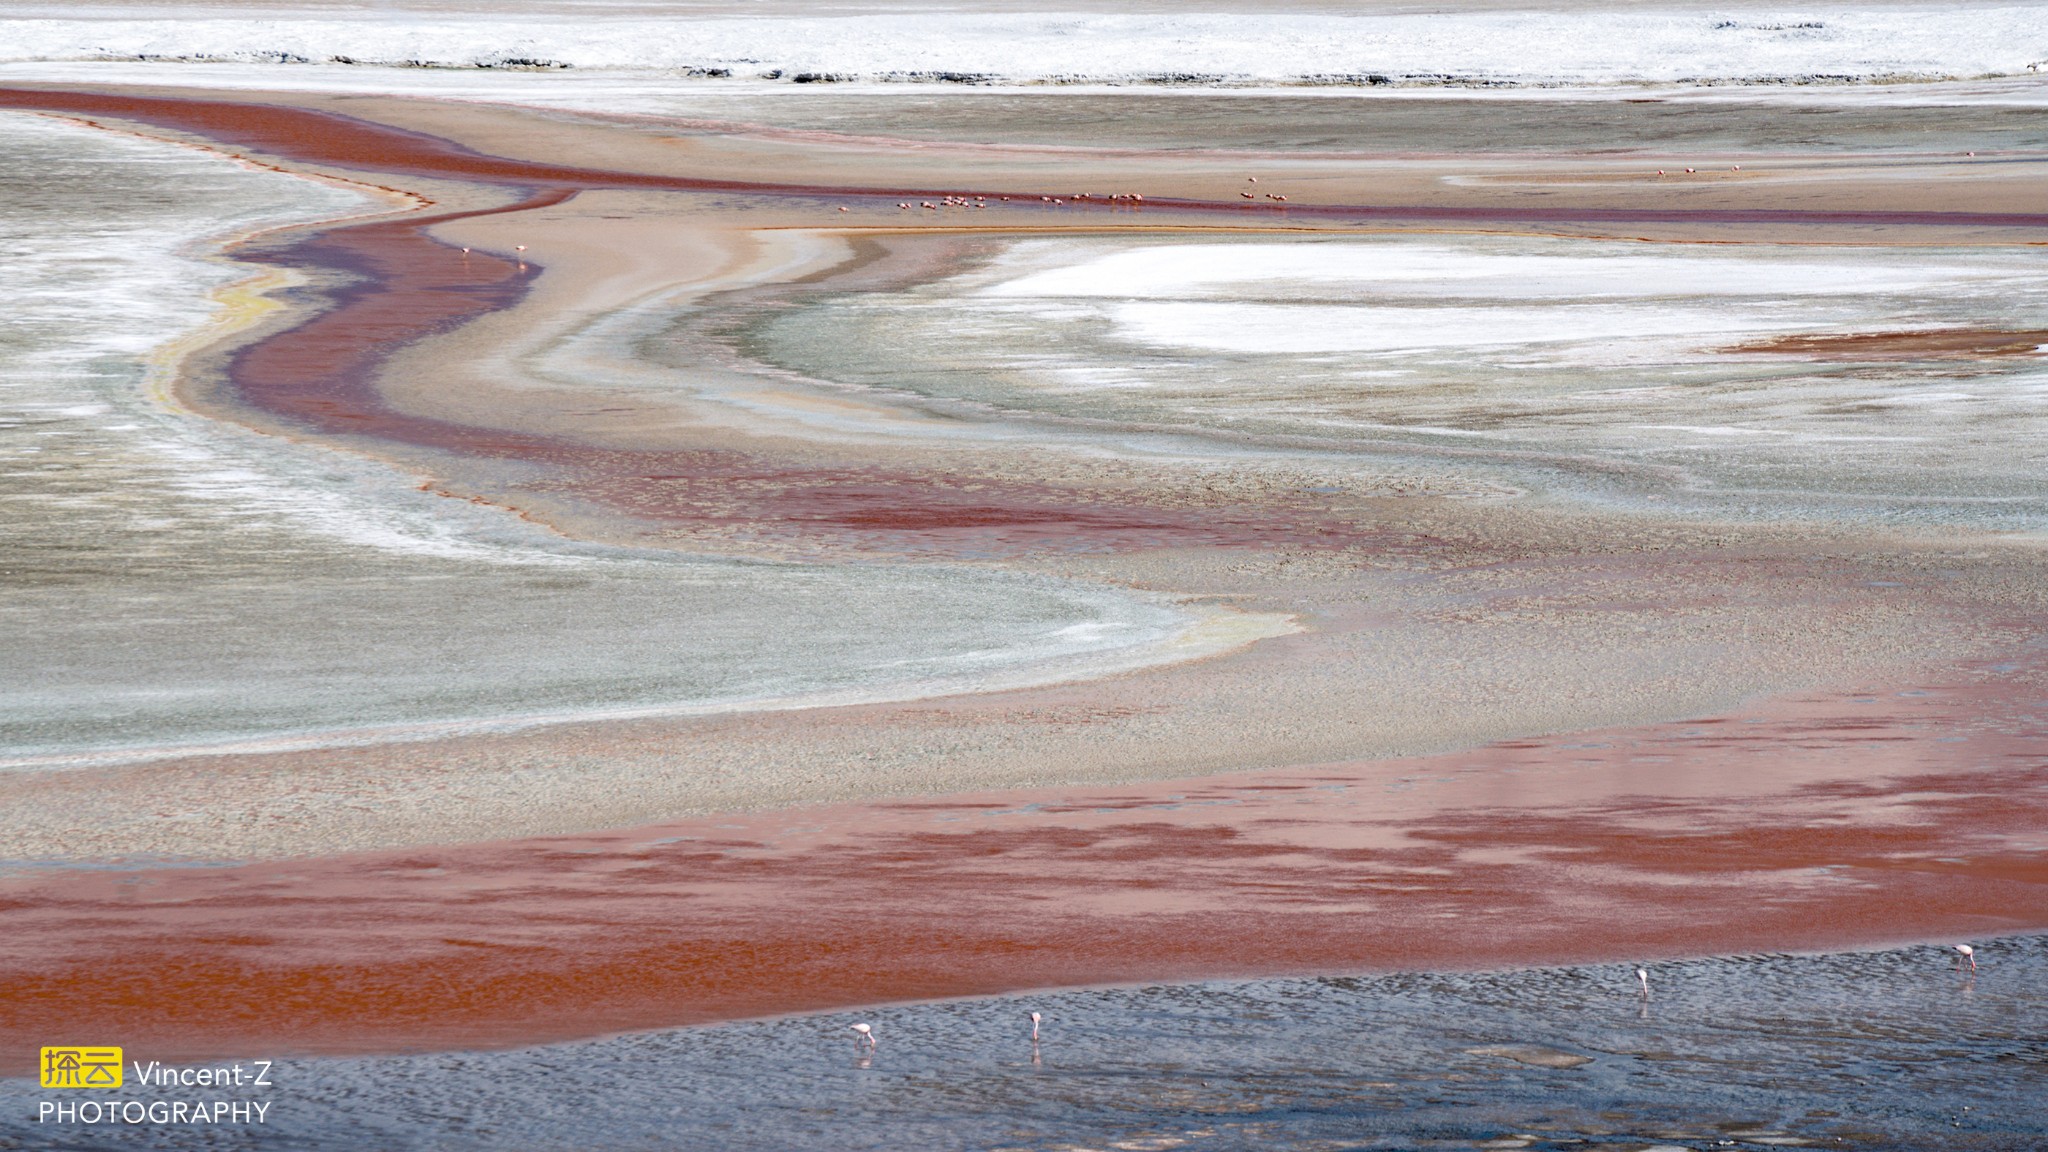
(866,1033)
(1034,1027)
(1643,979)
(1969,954)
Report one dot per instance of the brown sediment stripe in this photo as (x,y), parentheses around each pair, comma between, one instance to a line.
(1913,344)
(1818,822)
(401,286)
(314,137)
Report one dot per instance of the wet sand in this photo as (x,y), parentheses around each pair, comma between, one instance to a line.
(1430,625)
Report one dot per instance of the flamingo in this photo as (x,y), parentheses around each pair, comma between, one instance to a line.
(1034,1027)
(519,247)
(1969,954)
(1643,979)
(866,1033)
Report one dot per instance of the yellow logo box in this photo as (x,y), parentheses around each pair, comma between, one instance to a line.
(81,1067)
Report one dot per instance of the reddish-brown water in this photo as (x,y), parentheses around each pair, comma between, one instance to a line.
(1809,823)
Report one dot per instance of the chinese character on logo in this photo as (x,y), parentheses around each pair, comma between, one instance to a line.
(81,1067)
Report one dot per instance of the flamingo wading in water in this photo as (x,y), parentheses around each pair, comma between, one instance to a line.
(1969,954)
(866,1033)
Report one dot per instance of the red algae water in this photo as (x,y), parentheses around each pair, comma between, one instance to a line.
(1823,822)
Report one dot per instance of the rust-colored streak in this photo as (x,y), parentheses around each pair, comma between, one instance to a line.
(1819,822)
(1921,344)
(315,137)
(928,511)
(402,286)
(307,136)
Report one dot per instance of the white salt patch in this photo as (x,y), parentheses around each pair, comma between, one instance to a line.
(1294,329)
(1434,271)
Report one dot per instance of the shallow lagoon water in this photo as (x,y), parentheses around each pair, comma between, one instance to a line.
(171,581)
(1599,370)
(1895,1049)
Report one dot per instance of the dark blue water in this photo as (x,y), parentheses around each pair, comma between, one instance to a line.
(1870,1050)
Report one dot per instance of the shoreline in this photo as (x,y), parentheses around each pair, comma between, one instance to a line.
(1862,831)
